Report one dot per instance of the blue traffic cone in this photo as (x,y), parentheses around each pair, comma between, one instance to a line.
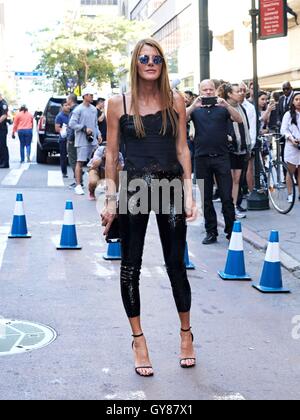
(113,252)
(235,267)
(188,264)
(271,279)
(19,226)
(69,236)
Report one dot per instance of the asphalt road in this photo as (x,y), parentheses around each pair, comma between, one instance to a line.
(244,339)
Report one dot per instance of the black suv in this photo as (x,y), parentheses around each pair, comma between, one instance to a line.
(48,139)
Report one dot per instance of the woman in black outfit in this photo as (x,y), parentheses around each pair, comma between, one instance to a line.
(152,122)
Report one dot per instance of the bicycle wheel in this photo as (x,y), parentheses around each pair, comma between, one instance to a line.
(279,195)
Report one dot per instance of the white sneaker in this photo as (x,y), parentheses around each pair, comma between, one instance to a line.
(79,190)
(290,198)
(240,215)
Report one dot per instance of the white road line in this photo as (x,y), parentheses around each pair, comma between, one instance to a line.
(230,397)
(55,179)
(14,176)
(4,231)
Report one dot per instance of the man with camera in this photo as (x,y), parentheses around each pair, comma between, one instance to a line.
(210,116)
(84,122)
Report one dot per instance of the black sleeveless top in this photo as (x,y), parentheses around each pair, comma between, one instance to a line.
(153,153)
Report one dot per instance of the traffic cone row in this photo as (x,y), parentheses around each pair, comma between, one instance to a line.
(271,279)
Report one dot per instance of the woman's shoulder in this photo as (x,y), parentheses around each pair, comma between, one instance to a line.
(119,104)
(118,99)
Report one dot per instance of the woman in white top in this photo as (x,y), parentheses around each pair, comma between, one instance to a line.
(291,130)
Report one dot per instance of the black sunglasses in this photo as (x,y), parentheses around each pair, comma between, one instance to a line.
(156,59)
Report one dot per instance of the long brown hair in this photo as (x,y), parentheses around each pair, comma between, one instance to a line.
(166,94)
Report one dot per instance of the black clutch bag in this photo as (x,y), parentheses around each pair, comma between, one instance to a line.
(114,232)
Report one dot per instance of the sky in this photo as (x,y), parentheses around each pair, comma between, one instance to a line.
(23,17)
(28,16)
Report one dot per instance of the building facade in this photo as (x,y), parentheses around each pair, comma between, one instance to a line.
(175,24)
(175,27)
(97,7)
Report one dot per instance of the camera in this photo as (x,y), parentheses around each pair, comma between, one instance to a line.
(209,101)
(90,138)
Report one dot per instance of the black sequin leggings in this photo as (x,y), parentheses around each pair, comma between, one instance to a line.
(172,229)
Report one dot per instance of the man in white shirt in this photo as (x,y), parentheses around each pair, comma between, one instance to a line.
(249,165)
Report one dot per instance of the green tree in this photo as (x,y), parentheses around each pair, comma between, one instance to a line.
(87,49)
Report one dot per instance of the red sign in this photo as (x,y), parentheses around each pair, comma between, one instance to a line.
(273,18)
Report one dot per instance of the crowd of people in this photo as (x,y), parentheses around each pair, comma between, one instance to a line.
(223,138)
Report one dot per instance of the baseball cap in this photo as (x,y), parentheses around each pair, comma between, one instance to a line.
(89,90)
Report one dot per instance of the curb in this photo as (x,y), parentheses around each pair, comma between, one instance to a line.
(288,262)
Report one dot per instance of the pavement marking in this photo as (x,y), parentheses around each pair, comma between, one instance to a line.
(14,176)
(55,179)
(127,396)
(4,232)
(104,272)
(230,397)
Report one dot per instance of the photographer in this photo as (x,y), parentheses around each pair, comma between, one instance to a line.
(97,169)
(210,115)
(291,130)
(84,122)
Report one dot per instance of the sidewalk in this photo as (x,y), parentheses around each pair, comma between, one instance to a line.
(258,225)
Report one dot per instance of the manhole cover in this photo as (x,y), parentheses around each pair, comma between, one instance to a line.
(21,336)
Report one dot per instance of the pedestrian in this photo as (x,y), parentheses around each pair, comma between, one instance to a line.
(97,170)
(61,126)
(23,125)
(151,120)
(189,99)
(210,116)
(248,171)
(4,153)
(71,149)
(84,122)
(291,130)
(102,123)
(239,141)
(285,102)
(265,109)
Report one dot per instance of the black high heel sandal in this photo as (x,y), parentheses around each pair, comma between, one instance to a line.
(184,366)
(141,367)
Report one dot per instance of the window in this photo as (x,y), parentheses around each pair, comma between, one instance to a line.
(175,36)
(99,2)
(146,8)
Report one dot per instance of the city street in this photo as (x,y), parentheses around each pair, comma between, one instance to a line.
(245,341)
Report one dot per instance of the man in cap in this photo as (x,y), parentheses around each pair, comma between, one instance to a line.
(4,154)
(84,122)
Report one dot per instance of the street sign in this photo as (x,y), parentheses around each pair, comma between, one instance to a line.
(273,22)
(29,74)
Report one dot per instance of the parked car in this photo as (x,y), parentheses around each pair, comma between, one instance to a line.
(48,139)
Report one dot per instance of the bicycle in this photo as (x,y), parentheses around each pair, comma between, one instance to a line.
(274,173)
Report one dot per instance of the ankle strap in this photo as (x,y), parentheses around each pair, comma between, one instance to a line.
(138,336)
(186,330)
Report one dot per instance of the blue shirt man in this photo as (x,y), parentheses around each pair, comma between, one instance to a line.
(61,125)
